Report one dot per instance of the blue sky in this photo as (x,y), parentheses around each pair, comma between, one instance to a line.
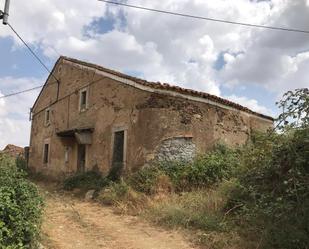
(253,67)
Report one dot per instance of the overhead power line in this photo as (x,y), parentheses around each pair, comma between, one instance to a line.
(206,18)
(153,10)
(37,58)
(23,91)
(33,53)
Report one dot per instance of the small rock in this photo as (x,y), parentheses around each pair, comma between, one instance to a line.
(40,246)
(198,116)
(89,195)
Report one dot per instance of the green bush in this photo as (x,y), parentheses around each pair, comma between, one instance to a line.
(211,168)
(206,170)
(87,181)
(144,180)
(113,193)
(20,207)
(124,199)
(21,163)
(273,189)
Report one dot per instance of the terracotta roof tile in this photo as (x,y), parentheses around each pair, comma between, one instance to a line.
(13,150)
(166,86)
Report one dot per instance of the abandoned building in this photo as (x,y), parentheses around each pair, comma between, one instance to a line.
(89,117)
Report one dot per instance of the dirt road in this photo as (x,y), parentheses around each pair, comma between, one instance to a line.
(73,223)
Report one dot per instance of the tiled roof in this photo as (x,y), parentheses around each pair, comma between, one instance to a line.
(13,150)
(165,86)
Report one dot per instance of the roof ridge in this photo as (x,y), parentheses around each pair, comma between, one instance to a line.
(167,86)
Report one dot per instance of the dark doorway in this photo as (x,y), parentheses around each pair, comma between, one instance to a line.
(118,156)
(81,158)
(46,153)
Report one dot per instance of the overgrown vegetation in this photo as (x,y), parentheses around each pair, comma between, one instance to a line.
(88,180)
(255,196)
(272,194)
(204,171)
(273,188)
(123,198)
(20,206)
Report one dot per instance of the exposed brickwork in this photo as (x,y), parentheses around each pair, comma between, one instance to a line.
(186,109)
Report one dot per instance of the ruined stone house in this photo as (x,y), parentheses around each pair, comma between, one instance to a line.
(97,118)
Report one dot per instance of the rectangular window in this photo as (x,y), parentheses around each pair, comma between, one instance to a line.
(83,100)
(46,153)
(47,116)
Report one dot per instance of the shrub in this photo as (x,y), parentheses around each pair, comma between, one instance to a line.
(144,180)
(212,167)
(21,163)
(123,198)
(88,180)
(20,207)
(273,189)
(115,172)
(206,170)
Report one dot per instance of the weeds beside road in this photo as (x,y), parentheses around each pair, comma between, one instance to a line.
(71,222)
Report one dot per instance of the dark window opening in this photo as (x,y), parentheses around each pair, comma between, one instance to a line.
(83,100)
(46,153)
(47,116)
(118,156)
(81,160)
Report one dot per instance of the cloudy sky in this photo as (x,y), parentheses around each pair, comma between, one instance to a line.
(253,67)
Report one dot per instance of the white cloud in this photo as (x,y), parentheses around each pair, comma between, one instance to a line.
(14,111)
(250,103)
(176,49)
(172,49)
(275,60)
(14,132)
(159,46)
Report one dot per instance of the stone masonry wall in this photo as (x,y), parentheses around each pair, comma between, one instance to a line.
(157,126)
(176,149)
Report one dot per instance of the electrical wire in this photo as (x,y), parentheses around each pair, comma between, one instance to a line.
(206,18)
(153,10)
(33,53)
(23,91)
(38,59)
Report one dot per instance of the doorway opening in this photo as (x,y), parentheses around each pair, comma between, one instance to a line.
(118,155)
(81,158)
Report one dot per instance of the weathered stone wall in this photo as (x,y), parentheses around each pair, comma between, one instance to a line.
(157,125)
(176,149)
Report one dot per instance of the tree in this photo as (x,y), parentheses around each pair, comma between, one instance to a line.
(295,109)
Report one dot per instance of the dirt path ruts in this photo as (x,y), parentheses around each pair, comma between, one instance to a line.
(72,223)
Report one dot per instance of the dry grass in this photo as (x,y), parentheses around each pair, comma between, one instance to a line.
(124,199)
(200,211)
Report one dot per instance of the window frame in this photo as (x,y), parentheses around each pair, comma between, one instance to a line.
(83,107)
(66,154)
(46,161)
(47,114)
